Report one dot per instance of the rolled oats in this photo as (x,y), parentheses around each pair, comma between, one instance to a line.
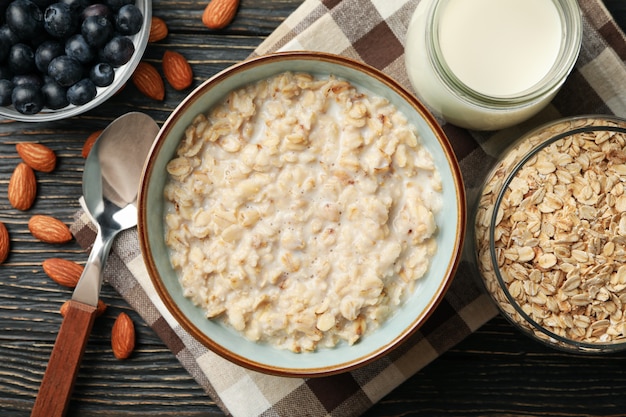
(301,211)
(559,234)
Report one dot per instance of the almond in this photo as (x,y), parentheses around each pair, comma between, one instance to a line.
(22,187)
(177,70)
(148,81)
(49,229)
(219,13)
(158,29)
(123,336)
(62,271)
(100,309)
(91,139)
(37,156)
(4,243)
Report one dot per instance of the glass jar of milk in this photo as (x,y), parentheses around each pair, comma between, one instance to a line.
(490,64)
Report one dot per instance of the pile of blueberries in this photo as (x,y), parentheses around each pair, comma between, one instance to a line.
(54,53)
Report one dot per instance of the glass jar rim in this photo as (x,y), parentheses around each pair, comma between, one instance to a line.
(571,18)
(580,346)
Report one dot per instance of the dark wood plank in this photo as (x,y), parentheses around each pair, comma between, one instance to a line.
(496,371)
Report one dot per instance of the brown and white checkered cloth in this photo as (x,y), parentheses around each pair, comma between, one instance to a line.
(372,31)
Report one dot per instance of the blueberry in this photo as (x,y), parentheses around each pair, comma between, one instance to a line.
(55,96)
(82,92)
(24,18)
(65,70)
(27,99)
(97,9)
(78,48)
(8,34)
(34,79)
(102,74)
(115,5)
(97,30)
(6,89)
(59,20)
(45,53)
(118,51)
(128,20)
(21,59)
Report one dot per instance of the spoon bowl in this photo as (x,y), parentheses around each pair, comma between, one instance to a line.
(110,187)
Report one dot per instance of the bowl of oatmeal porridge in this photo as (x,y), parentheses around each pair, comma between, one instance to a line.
(301,214)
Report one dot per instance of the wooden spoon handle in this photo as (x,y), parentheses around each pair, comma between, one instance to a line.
(58,380)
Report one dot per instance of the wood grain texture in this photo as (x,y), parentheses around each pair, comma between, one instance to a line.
(496,371)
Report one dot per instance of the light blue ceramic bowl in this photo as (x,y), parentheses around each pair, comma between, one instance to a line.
(230,344)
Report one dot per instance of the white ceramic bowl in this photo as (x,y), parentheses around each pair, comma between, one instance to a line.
(122,74)
(228,343)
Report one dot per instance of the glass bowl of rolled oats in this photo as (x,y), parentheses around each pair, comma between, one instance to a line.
(550,234)
(291,214)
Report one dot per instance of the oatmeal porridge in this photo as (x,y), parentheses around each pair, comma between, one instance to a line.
(301,211)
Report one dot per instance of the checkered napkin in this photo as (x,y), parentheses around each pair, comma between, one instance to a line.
(372,31)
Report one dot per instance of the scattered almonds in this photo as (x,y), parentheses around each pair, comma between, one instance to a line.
(4,243)
(560,232)
(219,13)
(177,70)
(91,139)
(49,229)
(37,156)
(158,30)
(148,81)
(62,271)
(22,187)
(123,336)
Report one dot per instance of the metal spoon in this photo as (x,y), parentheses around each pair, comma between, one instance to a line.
(110,187)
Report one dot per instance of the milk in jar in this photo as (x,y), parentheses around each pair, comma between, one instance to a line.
(490,64)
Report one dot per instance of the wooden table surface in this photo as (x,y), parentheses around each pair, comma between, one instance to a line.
(496,371)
